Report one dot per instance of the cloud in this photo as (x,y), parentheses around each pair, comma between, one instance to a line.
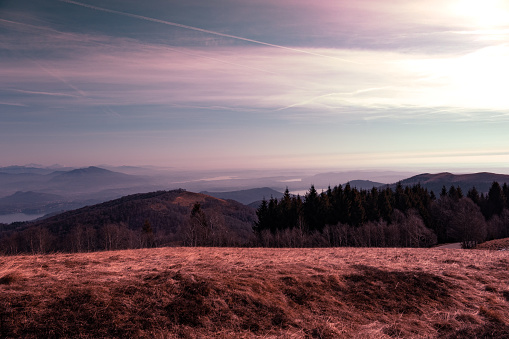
(175,24)
(274,82)
(12,104)
(52,94)
(254,83)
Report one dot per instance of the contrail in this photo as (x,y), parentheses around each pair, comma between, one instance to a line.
(12,104)
(56,76)
(44,93)
(305,102)
(166,46)
(51,73)
(202,30)
(301,103)
(174,48)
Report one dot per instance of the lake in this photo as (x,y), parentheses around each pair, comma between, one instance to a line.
(9,218)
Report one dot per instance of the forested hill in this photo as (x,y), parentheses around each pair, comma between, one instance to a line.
(408,216)
(140,220)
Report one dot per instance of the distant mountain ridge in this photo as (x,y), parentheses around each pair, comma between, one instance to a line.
(18,178)
(25,170)
(94,184)
(248,196)
(482,181)
(365,184)
(43,190)
(335,178)
(85,177)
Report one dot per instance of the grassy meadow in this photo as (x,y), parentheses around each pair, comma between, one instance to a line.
(246,293)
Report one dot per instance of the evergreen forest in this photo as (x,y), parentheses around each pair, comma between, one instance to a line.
(408,216)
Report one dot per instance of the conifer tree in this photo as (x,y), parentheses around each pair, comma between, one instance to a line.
(358,214)
(454,194)
(473,195)
(262,214)
(496,200)
(401,199)
(443,193)
(311,209)
(372,210)
(505,190)
(384,203)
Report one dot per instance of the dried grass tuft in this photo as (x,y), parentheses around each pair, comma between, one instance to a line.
(492,314)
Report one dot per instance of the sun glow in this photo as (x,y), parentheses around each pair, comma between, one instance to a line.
(486,13)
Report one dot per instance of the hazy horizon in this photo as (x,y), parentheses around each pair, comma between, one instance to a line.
(405,171)
(236,85)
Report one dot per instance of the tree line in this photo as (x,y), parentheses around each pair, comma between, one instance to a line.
(408,216)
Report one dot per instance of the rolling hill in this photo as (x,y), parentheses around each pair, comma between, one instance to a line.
(247,197)
(365,184)
(119,223)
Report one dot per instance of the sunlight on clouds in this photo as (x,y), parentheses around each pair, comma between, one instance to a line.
(267,80)
(478,80)
(291,83)
(485,13)
(383,80)
(121,71)
(482,78)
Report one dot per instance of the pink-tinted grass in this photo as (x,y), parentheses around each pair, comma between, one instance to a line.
(232,293)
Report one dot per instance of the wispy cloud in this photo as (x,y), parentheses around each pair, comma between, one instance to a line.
(267,80)
(175,24)
(404,80)
(12,104)
(52,94)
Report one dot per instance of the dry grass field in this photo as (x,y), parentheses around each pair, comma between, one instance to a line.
(496,245)
(232,293)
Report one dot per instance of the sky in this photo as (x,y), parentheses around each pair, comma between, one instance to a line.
(259,84)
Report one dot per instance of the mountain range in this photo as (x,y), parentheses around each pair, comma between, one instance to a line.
(34,190)
(37,190)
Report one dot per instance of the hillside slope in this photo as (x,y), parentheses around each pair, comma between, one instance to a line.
(256,293)
(119,223)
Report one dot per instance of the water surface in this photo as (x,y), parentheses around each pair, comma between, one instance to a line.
(9,218)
